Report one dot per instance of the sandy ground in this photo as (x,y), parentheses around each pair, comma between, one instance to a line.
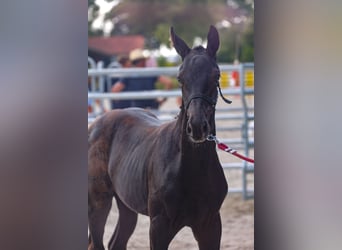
(237,214)
(237,228)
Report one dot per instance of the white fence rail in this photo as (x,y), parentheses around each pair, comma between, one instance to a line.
(242,116)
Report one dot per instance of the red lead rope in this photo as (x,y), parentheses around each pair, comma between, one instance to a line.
(233,152)
(226,148)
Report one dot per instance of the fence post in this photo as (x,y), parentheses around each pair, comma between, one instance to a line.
(92,64)
(242,142)
(112,65)
(244,129)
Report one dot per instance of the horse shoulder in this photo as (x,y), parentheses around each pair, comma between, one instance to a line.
(164,168)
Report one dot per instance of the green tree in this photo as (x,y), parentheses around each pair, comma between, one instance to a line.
(247,44)
(238,41)
(190,18)
(92,14)
(154,20)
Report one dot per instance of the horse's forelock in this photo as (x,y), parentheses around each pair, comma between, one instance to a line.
(199,48)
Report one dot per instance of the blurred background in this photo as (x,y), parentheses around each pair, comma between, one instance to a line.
(115,28)
(147,23)
(43,146)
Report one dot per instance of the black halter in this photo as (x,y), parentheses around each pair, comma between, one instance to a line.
(211,101)
(223,98)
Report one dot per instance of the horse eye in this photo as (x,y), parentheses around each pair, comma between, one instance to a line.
(179,82)
(210,109)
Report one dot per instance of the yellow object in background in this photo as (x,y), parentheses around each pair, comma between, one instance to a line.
(249,78)
(224,79)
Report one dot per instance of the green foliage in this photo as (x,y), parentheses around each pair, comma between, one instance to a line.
(163,62)
(161,33)
(177,2)
(226,52)
(247,45)
(92,14)
(154,20)
(247,5)
(236,44)
(190,18)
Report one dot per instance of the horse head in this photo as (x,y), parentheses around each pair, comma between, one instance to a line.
(198,77)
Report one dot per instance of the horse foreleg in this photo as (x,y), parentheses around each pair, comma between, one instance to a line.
(161,232)
(208,234)
(124,228)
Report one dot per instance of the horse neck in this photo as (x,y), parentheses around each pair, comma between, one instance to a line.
(193,155)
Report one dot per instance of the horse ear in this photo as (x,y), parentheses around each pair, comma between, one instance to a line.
(213,41)
(181,47)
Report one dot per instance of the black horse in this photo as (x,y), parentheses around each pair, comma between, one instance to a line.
(167,171)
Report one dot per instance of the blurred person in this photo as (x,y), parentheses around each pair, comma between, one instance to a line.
(124,63)
(94,105)
(138,60)
(151,62)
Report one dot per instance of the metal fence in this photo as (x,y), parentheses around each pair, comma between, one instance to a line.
(236,120)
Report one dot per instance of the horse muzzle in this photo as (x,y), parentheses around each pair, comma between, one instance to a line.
(197,131)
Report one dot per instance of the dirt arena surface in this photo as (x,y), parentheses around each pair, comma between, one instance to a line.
(237,214)
(237,228)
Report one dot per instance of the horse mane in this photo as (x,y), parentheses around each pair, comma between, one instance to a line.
(199,48)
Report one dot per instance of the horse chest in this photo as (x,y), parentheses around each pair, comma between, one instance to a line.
(203,196)
(192,201)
